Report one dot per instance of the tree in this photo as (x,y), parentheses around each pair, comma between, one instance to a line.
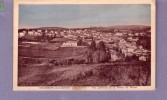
(79,43)
(88,55)
(90,52)
(101,46)
(145,42)
(92,46)
(97,54)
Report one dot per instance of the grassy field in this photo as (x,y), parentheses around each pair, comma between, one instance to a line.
(36,69)
(85,75)
(50,51)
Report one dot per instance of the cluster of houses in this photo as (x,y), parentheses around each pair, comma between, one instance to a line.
(125,40)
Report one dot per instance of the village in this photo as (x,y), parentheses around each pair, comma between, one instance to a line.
(128,42)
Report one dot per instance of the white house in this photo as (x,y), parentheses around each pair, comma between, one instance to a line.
(118,34)
(69,44)
(136,34)
(37,33)
(39,30)
(21,34)
(142,58)
(31,32)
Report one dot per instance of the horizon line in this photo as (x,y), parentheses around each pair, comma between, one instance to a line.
(83,27)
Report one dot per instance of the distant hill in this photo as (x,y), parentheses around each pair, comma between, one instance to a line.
(52,28)
(130,27)
(119,27)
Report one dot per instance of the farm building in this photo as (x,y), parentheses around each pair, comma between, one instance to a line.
(69,44)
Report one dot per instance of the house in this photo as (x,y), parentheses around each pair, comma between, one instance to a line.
(69,44)
(115,30)
(46,31)
(142,33)
(22,32)
(136,34)
(142,58)
(31,32)
(38,33)
(118,34)
(39,30)
(132,39)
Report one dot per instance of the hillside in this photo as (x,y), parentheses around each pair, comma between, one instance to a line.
(130,27)
(124,27)
(118,74)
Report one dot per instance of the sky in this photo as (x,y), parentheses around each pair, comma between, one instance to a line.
(73,16)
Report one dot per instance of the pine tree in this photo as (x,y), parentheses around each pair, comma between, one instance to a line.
(93,45)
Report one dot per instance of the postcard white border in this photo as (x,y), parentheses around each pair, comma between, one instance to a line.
(83,88)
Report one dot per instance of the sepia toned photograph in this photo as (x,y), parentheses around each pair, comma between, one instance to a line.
(73,46)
